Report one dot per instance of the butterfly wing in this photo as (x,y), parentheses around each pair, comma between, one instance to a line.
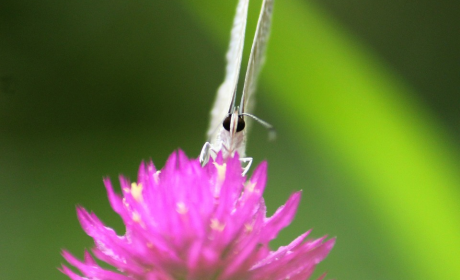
(227,91)
(257,56)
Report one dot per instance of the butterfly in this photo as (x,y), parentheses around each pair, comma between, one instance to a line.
(227,129)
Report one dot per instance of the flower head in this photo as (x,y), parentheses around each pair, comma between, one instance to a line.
(193,222)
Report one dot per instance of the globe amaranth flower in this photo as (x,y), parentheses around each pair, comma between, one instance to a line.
(192,222)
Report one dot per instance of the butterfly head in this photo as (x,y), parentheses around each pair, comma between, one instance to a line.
(234,122)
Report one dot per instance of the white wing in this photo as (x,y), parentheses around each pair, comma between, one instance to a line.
(257,56)
(227,90)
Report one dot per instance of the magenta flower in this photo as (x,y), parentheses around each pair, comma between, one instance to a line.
(193,222)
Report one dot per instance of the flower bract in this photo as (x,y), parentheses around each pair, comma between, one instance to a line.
(195,223)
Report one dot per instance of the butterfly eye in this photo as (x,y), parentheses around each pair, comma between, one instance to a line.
(239,127)
(241,124)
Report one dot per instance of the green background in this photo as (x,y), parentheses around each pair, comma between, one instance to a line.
(364,96)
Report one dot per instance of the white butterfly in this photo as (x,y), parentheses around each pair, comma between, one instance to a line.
(227,131)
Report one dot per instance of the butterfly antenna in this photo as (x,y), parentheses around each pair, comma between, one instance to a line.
(271,128)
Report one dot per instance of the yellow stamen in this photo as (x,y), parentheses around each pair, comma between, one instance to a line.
(220,171)
(216,225)
(136,191)
(137,218)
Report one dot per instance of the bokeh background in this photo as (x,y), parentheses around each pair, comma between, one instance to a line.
(364,96)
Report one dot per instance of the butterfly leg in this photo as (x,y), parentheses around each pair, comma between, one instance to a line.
(248,165)
(205,153)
